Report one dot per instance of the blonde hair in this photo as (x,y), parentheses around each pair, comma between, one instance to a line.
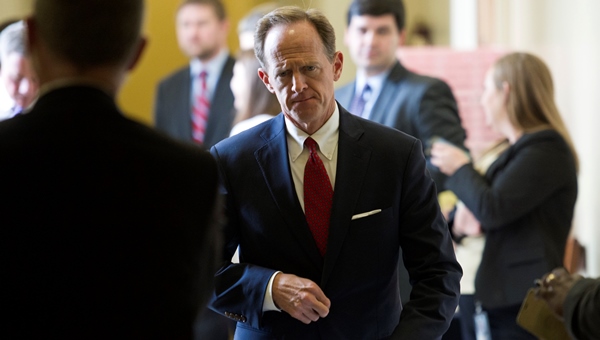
(531,105)
(260,99)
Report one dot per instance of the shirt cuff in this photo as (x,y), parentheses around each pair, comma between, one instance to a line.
(268,303)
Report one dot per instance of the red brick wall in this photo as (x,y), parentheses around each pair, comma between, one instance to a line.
(464,72)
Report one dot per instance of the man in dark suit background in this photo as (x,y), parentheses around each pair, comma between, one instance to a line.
(202,28)
(320,261)
(421,106)
(107,226)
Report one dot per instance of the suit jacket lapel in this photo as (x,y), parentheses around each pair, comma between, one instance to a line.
(353,160)
(274,161)
(389,94)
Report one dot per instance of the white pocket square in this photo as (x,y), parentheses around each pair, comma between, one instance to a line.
(368,213)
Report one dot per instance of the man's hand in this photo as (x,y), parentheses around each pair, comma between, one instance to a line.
(301,298)
(554,287)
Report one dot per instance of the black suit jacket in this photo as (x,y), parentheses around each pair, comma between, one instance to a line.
(173,107)
(525,205)
(359,271)
(106,224)
(420,106)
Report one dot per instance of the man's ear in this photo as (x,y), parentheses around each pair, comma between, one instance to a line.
(338,65)
(224,30)
(265,79)
(137,53)
(402,38)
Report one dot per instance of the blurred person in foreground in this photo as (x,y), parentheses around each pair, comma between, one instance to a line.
(575,300)
(320,204)
(253,102)
(107,225)
(525,200)
(17,77)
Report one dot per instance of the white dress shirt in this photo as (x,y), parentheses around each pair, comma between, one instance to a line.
(376,84)
(327,139)
(213,70)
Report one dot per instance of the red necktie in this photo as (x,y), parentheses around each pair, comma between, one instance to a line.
(318,196)
(200,110)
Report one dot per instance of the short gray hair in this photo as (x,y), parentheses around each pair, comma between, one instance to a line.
(13,39)
(288,15)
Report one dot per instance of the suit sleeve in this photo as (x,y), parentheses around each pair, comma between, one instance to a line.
(428,255)
(531,177)
(240,288)
(582,308)
(438,117)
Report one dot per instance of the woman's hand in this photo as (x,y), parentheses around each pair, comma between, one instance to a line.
(448,158)
(465,223)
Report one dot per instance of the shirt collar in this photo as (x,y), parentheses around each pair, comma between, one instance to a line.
(375,82)
(212,67)
(326,136)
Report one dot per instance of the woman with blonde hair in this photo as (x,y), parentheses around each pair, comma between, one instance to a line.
(525,200)
(253,102)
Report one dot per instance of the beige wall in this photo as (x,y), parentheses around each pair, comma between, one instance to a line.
(14,9)
(162,55)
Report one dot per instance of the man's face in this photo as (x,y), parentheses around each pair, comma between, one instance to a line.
(200,33)
(372,41)
(299,73)
(18,78)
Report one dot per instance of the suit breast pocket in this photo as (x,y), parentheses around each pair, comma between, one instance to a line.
(371,244)
(373,225)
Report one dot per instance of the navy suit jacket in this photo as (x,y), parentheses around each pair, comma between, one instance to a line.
(173,107)
(420,106)
(359,271)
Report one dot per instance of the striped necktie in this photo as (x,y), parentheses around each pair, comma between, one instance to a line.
(200,110)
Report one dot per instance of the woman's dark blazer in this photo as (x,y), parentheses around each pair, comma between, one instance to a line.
(525,205)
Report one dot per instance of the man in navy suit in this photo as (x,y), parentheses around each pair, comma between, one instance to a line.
(202,28)
(421,106)
(300,279)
